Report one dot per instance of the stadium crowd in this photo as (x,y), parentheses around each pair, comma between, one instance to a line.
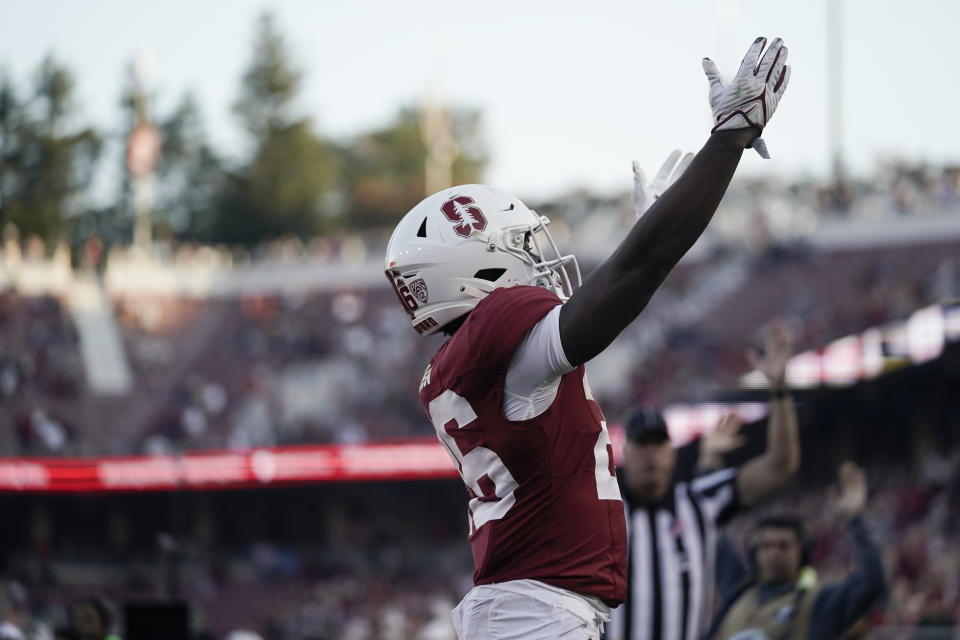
(337,365)
(394,576)
(40,375)
(326,365)
(916,518)
(332,366)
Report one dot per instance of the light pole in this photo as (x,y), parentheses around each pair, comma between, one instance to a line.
(143,151)
(835,87)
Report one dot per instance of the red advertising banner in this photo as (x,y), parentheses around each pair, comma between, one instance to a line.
(226,469)
(416,459)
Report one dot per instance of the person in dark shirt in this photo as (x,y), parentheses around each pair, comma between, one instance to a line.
(778,598)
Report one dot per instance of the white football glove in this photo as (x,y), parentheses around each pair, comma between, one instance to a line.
(644,194)
(752,97)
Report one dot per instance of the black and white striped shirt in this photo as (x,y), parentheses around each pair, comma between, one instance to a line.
(671,559)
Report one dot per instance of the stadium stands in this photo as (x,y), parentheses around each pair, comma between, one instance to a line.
(333,365)
(304,343)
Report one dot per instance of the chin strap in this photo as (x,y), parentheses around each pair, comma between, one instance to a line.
(481,291)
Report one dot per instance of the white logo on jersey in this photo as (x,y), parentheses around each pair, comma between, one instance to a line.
(425,380)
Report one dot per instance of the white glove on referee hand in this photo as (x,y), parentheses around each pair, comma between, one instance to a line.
(644,194)
(752,97)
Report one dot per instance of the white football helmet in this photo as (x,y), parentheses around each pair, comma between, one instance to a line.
(459,244)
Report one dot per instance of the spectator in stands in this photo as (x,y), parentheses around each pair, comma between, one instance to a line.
(778,596)
(90,618)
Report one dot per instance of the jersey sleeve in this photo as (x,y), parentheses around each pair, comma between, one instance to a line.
(500,322)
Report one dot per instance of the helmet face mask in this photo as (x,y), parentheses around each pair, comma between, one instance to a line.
(539,244)
(458,245)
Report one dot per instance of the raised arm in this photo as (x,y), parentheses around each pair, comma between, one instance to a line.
(766,473)
(840,605)
(613,295)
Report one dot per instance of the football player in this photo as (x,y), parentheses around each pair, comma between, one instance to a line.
(507,392)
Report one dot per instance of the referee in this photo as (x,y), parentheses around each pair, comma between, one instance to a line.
(672,526)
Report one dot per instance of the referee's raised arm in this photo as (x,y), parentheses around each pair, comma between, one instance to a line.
(762,476)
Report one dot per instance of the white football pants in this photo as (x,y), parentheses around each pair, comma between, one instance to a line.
(490,612)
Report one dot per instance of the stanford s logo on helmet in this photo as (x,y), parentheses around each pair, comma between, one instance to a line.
(458,245)
(465,212)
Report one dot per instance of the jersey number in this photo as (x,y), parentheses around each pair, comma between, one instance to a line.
(483,471)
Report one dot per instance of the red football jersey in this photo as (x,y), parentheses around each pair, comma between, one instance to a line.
(544,498)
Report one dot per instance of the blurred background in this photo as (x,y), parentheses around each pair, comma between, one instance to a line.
(208,389)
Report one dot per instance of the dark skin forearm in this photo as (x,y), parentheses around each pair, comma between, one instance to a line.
(613,295)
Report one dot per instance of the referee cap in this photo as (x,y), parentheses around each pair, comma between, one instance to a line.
(646,424)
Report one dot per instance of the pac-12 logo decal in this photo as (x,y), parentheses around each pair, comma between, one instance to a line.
(412,294)
(463,211)
(419,289)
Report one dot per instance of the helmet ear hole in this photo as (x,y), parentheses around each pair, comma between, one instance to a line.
(422,231)
(491,275)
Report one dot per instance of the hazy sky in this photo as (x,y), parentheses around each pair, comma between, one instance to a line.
(571,92)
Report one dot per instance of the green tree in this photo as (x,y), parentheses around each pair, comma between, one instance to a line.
(191,178)
(385,169)
(47,161)
(10,143)
(270,84)
(285,187)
